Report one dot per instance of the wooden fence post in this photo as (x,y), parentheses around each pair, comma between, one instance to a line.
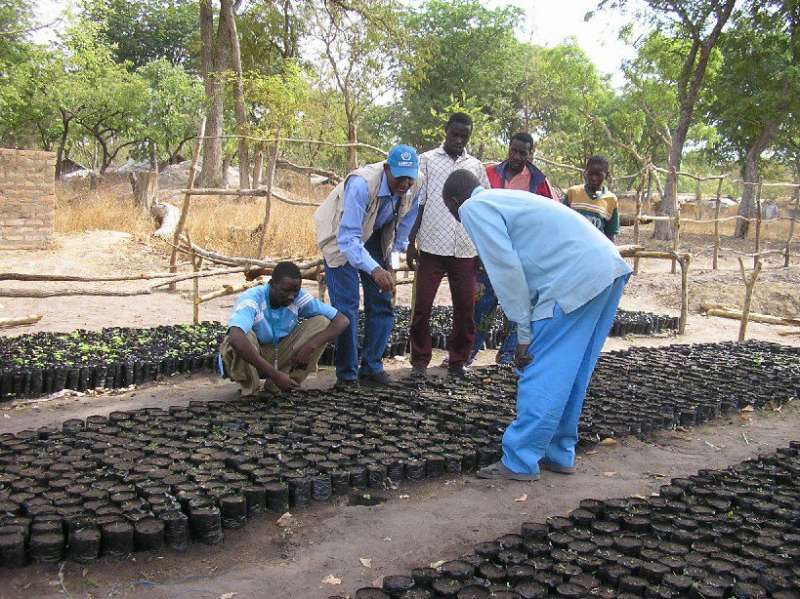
(795,213)
(638,215)
(676,238)
(197,262)
(749,285)
(685,261)
(173,259)
(715,259)
(268,200)
(757,256)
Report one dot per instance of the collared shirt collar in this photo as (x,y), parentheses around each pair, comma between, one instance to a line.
(463,154)
(383,190)
(600,192)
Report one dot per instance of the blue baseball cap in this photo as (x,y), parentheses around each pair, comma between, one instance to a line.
(403,161)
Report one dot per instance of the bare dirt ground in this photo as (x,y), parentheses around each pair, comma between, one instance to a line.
(417,524)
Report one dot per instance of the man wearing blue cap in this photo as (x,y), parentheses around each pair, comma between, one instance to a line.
(362,226)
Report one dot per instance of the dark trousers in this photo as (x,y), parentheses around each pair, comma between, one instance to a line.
(461,278)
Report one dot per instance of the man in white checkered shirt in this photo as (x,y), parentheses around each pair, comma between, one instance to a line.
(440,245)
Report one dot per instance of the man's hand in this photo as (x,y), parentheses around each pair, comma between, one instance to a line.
(284,382)
(303,355)
(382,279)
(521,358)
(412,255)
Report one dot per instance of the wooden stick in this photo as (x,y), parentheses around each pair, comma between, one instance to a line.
(6,323)
(791,226)
(756,257)
(302,263)
(19,276)
(308,170)
(229,290)
(268,200)
(223,191)
(676,237)
(637,219)
(787,333)
(749,284)
(717,202)
(201,275)
(197,262)
(186,199)
(38,293)
(727,312)
(296,140)
(685,260)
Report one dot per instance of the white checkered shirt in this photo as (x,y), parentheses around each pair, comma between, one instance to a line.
(439,233)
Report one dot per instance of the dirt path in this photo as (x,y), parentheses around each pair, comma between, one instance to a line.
(416,525)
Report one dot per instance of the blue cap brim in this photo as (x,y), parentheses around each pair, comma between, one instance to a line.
(404,171)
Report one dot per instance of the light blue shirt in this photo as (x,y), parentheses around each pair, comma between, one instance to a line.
(355,198)
(252,312)
(538,253)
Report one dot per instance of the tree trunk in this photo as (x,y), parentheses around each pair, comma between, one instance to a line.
(211,172)
(747,206)
(663,229)
(144,191)
(690,82)
(352,151)
(232,37)
(62,145)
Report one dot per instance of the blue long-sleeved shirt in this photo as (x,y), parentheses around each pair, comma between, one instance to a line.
(355,198)
(538,253)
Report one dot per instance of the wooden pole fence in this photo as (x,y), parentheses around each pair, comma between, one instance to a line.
(717,205)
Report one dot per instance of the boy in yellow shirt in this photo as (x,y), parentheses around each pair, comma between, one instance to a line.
(593,200)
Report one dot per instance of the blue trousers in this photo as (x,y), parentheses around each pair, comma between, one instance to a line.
(485,316)
(343,286)
(551,390)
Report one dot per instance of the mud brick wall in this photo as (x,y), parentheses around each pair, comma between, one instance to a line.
(27,198)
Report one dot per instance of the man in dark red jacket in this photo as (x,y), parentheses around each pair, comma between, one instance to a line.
(515,172)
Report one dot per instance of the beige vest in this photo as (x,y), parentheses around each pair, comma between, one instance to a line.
(329,215)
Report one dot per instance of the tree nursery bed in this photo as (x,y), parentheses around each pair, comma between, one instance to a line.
(143,479)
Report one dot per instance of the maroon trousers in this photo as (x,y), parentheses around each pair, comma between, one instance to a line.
(461,277)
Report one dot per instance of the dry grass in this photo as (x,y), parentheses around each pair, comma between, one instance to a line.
(227,225)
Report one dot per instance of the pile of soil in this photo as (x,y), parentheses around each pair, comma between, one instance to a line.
(719,533)
(142,479)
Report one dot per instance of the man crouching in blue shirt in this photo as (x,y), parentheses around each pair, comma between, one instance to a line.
(560,279)
(264,338)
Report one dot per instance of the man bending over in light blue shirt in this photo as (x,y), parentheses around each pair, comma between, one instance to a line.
(560,280)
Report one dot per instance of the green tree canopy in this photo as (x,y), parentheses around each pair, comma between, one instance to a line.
(460,49)
(140,31)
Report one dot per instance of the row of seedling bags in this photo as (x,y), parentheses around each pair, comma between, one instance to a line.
(45,363)
(717,534)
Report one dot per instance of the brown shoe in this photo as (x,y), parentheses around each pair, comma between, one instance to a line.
(557,468)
